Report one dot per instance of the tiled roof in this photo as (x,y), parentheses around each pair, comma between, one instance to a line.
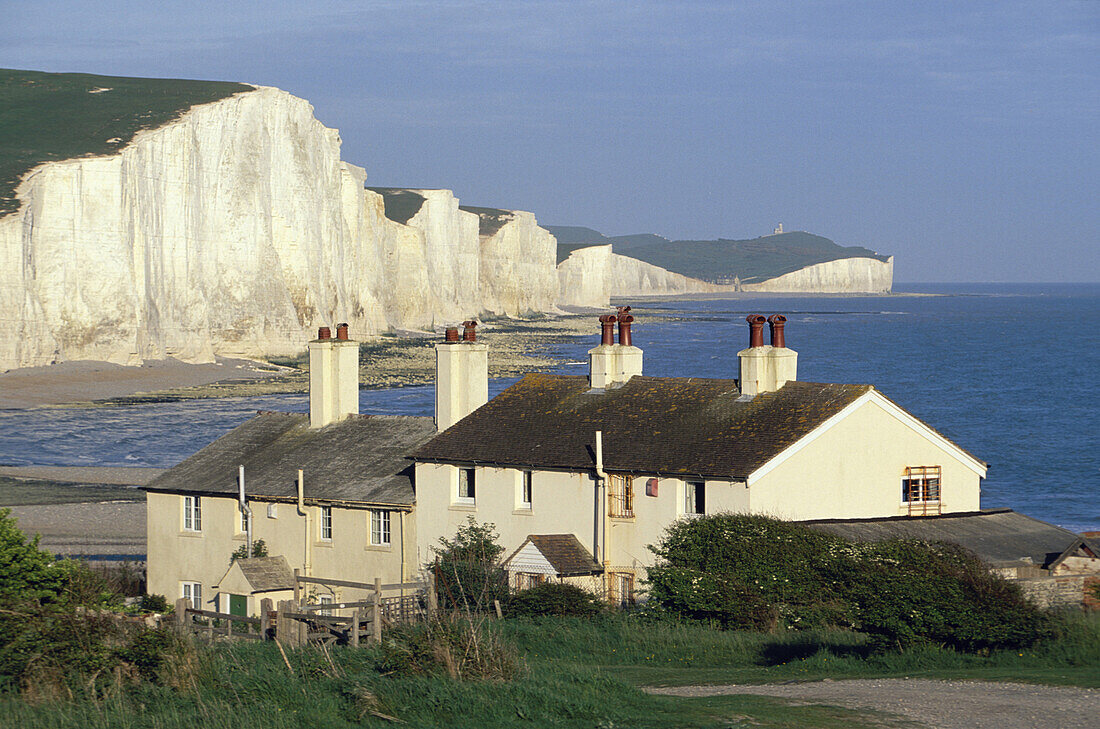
(661,425)
(267,573)
(994,535)
(362,459)
(564,552)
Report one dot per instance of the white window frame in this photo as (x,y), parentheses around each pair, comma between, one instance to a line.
(694,492)
(466,477)
(325,600)
(526,490)
(192,591)
(324,524)
(192,514)
(244,521)
(925,483)
(620,496)
(380,532)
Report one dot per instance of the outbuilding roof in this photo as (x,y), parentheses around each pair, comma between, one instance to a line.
(997,536)
(362,459)
(266,574)
(663,425)
(564,552)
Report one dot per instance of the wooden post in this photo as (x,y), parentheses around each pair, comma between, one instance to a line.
(303,627)
(376,612)
(297,587)
(353,636)
(433,600)
(285,633)
(181,613)
(496,607)
(265,617)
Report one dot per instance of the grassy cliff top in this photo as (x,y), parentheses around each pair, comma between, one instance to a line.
(55,116)
(490,220)
(752,260)
(400,203)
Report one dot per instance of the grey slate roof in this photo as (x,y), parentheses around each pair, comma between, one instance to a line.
(661,425)
(995,535)
(362,459)
(265,574)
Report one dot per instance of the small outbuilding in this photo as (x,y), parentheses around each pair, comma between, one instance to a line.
(247,581)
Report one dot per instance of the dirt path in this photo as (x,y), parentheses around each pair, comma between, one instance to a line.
(937,704)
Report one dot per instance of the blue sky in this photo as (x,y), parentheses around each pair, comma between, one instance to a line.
(963,137)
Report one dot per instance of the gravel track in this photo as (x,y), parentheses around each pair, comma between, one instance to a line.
(937,704)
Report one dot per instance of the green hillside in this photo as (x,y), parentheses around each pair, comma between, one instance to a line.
(54,116)
(400,204)
(756,259)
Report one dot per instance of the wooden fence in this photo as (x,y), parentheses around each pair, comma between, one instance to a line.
(295,623)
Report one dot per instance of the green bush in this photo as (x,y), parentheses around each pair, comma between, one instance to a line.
(468,575)
(553,598)
(259,549)
(154,603)
(756,572)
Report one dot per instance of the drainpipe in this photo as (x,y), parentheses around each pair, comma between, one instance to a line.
(604,510)
(307,566)
(401,519)
(245,508)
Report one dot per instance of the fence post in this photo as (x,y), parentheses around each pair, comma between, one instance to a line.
(433,600)
(285,633)
(376,612)
(181,613)
(353,636)
(265,617)
(496,608)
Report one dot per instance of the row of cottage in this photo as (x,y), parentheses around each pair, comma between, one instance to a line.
(578,474)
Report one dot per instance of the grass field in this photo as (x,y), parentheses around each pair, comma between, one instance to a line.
(578,674)
(53,116)
(23,492)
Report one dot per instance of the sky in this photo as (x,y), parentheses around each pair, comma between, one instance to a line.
(962,137)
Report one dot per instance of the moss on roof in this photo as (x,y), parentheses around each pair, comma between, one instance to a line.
(55,116)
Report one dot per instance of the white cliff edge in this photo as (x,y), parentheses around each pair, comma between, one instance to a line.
(236,230)
(842,276)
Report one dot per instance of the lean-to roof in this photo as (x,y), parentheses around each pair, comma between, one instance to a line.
(362,459)
(564,552)
(663,425)
(995,535)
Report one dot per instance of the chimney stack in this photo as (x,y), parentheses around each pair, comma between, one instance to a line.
(611,364)
(333,377)
(461,375)
(766,368)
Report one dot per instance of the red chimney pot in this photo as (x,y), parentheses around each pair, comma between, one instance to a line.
(324,333)
(342,331)
(776,322)
(624,327)
(468,332)
(607,335)
(451,334)
(756,329)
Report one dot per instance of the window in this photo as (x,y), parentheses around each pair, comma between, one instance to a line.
(326,523)
(192,591)
(622,589)
(525,490)
(620,496)
(244,522)
(920,489)
(379,527)
(695,497)
(192,514)
(325,600)
(466,488)
(527,580)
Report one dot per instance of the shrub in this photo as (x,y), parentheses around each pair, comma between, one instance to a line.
(154,603)
(467,572)
(553,598)
(259,549)
(751,571)
(26,572)
(452,644)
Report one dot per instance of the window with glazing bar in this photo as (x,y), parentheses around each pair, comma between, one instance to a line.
(920,484)
(192,514)
(379,527)
(326,523)
(466,487)
(620,496)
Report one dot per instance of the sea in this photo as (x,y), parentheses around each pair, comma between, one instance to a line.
(1010,372)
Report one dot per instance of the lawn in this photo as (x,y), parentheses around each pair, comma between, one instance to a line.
(578,674)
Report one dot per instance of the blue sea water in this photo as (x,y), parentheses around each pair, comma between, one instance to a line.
(1007,371)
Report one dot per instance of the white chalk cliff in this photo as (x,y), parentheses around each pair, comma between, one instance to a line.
(842,276)
(236,230)
(591,276)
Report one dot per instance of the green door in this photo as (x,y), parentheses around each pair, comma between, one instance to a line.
(238,605)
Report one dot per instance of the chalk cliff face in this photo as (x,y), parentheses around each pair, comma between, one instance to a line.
(236,230)
(591,276)
(842,276)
